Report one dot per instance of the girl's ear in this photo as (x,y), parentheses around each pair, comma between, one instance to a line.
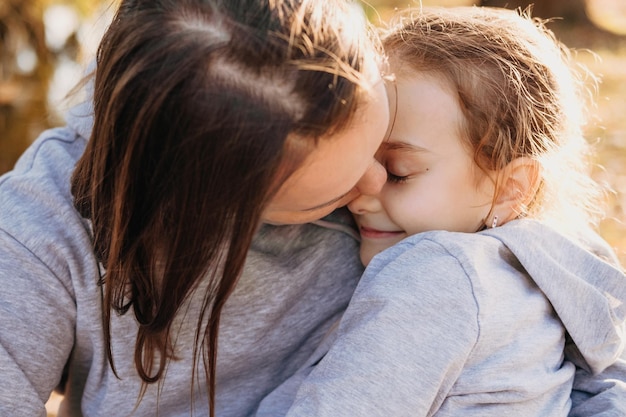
(520,181)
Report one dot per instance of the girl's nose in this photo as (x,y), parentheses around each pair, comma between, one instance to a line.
(364,204)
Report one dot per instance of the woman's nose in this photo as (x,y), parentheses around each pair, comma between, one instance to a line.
(373,180)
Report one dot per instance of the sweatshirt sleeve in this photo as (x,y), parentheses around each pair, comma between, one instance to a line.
(36,335)
(41,239)
(600,395)
(401,344)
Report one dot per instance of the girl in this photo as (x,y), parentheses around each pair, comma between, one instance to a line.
(481,296)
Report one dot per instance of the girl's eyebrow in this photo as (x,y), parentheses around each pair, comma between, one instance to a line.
(402,146)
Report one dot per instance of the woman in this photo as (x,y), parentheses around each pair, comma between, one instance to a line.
(119,252)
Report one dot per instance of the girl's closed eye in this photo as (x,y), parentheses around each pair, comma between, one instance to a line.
(396,179)
(401,166)
(399,176)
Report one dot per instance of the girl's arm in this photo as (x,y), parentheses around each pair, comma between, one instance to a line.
(398,350)
(421,336)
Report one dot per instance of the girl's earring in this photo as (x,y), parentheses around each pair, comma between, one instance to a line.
(494,223)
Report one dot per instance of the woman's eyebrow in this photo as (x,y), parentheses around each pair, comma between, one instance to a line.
(328,203)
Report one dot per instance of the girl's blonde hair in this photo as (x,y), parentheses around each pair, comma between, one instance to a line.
(520,93)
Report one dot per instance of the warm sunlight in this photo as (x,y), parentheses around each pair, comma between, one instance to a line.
(609,14)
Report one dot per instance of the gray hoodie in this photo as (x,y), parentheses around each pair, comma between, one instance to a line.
(457,324)
(296,282)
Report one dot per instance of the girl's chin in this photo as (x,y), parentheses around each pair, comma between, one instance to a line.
(369,251)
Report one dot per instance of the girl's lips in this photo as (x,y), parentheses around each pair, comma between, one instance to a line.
(369,233)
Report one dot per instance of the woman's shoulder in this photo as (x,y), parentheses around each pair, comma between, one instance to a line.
(54,152)
(37,209)
(39,184)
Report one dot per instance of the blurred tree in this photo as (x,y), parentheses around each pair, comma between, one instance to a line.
(23,48)
(571,16)
(571,11)
(379,11)
(26,66)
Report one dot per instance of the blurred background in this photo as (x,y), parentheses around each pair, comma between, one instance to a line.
(45,45)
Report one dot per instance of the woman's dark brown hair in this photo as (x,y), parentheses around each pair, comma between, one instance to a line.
(200,108)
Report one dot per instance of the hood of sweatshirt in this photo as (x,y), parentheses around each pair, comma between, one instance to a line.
(79,118)
(584,282)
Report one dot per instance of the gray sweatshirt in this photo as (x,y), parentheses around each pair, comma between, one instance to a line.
(458,324)
(296,283)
